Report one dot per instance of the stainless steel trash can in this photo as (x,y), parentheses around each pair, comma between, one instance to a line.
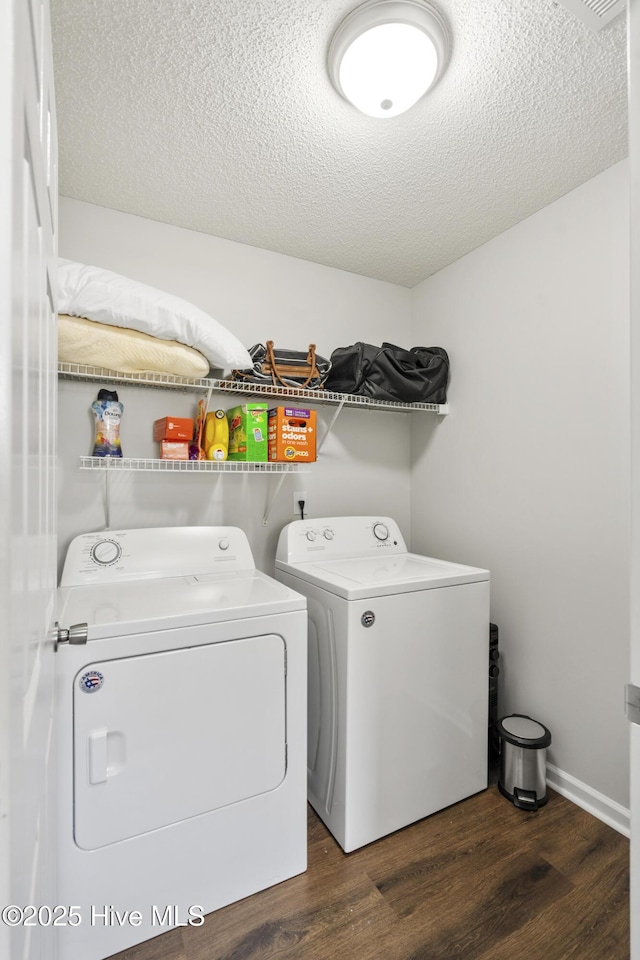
(523,761)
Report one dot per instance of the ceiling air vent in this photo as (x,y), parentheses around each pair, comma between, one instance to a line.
(595,13)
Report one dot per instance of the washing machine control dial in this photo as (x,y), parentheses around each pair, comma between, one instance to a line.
(106,552)
(381,531)
(311,535)
(328,534)
(223,544)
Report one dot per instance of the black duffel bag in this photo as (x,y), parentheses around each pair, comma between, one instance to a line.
(418,375)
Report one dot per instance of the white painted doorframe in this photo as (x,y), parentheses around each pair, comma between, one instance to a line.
(634,167)
(28,218)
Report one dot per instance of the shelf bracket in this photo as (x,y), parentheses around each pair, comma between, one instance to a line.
(107,500)
(330,426)
(271,500)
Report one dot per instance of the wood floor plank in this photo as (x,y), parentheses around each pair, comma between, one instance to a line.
(328,915)
(585,925)
(448,867)
(478,820)
(482,908)
(478,881)
(167,946)
(595,858)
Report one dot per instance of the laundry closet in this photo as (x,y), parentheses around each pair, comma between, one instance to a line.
(526,474)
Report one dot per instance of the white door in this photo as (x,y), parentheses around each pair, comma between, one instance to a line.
(634,157)
(164,737)
(28,216)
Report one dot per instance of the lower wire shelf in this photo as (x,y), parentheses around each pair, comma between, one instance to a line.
(110,464)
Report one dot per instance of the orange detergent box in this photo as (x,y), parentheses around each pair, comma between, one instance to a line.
(292,434)
(174,450)
(173,428)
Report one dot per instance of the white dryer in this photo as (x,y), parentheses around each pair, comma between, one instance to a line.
(181,719)
(398,685)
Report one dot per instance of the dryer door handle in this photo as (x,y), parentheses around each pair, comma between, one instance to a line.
(98,771)
(107,754)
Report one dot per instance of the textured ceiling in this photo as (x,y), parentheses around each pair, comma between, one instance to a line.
(218,116)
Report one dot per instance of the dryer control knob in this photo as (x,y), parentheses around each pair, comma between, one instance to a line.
(106,552)
(381,531)
(311,535)
(328,534)
(223,544)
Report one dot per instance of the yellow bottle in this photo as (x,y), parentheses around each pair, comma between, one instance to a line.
(216,435)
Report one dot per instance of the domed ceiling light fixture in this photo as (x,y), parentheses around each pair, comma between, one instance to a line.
(386,54)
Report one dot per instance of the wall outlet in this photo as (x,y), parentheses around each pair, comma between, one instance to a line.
(300,495)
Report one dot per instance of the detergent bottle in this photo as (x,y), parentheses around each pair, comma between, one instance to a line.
(107,412)
(216,435)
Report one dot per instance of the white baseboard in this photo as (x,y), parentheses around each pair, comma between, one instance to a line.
(591,800)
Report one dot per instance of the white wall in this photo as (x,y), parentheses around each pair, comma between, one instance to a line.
(364,466)
(528,476)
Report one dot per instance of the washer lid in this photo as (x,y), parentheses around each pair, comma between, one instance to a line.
(361,577)
(145,605)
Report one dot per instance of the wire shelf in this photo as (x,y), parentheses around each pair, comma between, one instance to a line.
(75,371)
(115,464)
(79,371)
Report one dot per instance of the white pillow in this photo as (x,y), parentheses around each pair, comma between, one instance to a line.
(107,297)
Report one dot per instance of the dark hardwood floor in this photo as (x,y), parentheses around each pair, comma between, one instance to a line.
(478,881)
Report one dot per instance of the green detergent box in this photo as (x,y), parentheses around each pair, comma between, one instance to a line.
(248,433)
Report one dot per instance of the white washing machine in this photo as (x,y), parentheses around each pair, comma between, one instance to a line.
(398,684)
(181,733)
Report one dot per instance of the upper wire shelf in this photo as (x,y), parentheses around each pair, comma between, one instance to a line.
(76,371)
(190,466)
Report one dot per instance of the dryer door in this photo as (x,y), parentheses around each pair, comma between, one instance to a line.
(167,736)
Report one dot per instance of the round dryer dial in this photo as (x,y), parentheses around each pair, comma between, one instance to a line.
(106,552)
(328,533)
(381,531)
(311,535)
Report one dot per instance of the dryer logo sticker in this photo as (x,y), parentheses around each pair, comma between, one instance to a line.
(92,681)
